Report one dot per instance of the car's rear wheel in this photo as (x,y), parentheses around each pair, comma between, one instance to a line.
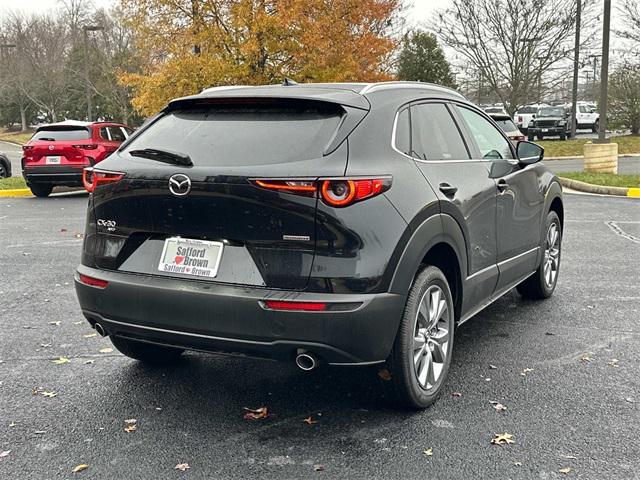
(146,352)
(41,189)
(423,346)
(543,282)
(563,136)
(3,171)
(595,127)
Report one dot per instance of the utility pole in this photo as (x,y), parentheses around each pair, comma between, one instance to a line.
(576,66)
(595,71)
(85,31)
(604,72)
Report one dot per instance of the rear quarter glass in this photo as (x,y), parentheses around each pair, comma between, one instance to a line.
(243,135)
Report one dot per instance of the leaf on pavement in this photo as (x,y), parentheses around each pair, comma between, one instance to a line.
(502,439)
(517,464)
(106,350)
(492,367)
(49,394)
(40,432)
(79,468)
(384,374)
(614,363)
(257,414)
(130,428)
(5,453)
(498,406)
(318,468)
(309,420)
(525,371)
(60,360)
(79,235)
(131,425)
(182,467)
(56,323)
(45,345)
(565,470)
(456,394)
(90,335)
(585,358)
(428,452)
(89,362)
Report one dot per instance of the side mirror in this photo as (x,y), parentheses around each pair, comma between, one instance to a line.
(529,153)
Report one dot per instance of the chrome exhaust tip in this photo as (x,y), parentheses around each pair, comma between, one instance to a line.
(307,361)
(100,329)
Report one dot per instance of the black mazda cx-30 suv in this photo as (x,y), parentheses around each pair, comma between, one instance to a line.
(346,224)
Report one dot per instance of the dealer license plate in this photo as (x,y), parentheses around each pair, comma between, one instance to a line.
(197,258)
(53,160)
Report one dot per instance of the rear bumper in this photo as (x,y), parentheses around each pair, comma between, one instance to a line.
(547,130)
(201,315)
(63,175)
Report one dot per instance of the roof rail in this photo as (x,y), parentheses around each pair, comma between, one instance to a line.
(372,87)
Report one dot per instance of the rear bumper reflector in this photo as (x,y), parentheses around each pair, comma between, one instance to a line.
(93,282)
(299,306)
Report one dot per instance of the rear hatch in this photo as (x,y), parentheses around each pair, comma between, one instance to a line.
(239,231)
(58,145)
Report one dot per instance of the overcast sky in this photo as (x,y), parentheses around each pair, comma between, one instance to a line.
(416,14)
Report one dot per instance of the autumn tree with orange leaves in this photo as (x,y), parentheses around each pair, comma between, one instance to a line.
(187,45)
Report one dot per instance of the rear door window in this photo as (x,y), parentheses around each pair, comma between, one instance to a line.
(243,135)
(116,134)
(61,134)
(434,134)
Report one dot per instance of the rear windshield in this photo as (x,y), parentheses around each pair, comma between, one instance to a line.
(506,125)
(243,135)
(551,112)
(60,134)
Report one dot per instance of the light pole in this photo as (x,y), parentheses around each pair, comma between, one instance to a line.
(604,72)
(576,66)
(85,30)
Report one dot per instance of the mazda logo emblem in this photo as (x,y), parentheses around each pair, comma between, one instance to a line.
(179,184)
(51,147)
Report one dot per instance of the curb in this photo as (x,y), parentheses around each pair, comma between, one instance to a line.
(18,192)
(600,189)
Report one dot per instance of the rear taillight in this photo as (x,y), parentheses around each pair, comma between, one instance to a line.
(518,138)
(92,178)
(335,192)
(93,282)
(27,148)
(520,120)
(88,146)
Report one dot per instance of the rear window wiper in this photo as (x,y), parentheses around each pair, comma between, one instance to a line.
(163,156)
(46,139)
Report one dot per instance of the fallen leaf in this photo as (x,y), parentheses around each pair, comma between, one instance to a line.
(62,230)
(585,358)
(256,414)
(12,424)
(498,406)
(5,453)
(549,333)
(40,432)
(130,428)
(517,464)
(77,323)
(79,235)
(90,335)
(318,468)
(565,470)
(502,439)
(45,345)
(492,367)
(614,363)
(182,467)
(309,420)
(36,390)
(56,323)
(428,452)
(571,457)
(630,400)
(79,468)
(131,420)
(456,394)
(384,374)
(49,394)
(88,362)
(525,371)
(61,361)
(106,350)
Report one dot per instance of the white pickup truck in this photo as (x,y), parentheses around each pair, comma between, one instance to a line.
(587,117)
(525,114)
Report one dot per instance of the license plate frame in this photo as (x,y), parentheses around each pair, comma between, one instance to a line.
(185,257)
(53,160)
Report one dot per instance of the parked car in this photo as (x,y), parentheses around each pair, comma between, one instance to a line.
(524,115)
(587,117)
(345,224)
(57,152)
(550,122)
(508,127)
(5,166)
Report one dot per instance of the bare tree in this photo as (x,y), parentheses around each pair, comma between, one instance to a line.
(512,44)
(630,11)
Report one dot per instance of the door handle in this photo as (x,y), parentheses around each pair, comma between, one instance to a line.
(502,185)
(447,189)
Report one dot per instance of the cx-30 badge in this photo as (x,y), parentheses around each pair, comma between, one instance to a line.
(179,184)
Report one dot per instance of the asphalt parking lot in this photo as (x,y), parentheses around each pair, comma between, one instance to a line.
(566,369)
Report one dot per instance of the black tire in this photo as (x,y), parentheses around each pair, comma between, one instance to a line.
(530,137)
(404,386)
(4,173)
(540,137)
(595,127)
(41,189)
(563,136)
(146,352)
(538,286)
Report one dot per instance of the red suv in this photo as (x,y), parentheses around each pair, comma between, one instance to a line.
(57,153)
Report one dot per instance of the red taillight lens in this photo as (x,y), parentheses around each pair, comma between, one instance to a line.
(518,138)
(92,178)
(93,282)
(519,119)
(299,306)
(90,146)
(335,192)
(26,148)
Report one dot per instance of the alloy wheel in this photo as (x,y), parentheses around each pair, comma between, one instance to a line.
(551,256)
(431,337)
